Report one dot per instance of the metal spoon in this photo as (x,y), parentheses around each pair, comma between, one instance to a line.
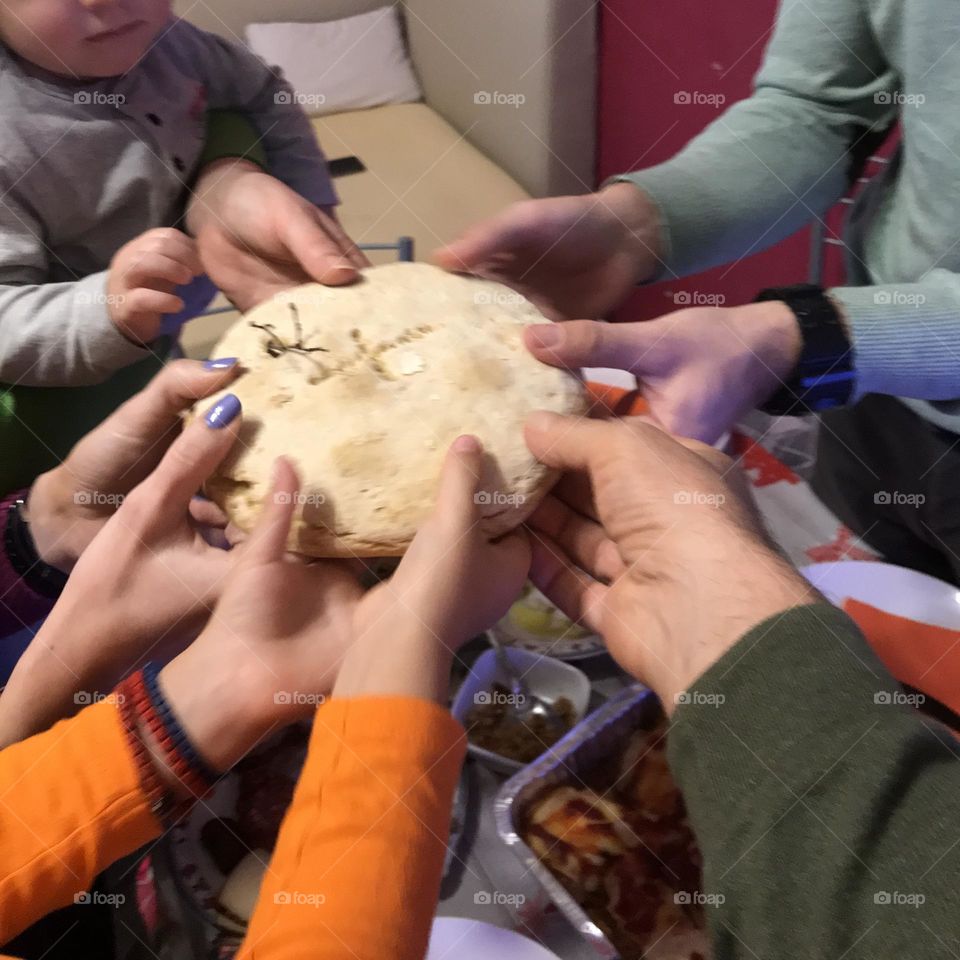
(525,705)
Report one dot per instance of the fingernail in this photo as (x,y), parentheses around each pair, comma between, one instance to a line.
(468,444)
(544,335)
(224,363)
(223,412)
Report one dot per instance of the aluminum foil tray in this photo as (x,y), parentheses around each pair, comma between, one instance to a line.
(569,763)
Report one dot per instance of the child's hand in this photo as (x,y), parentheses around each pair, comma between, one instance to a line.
(300,625)
(142,278)
(452,584)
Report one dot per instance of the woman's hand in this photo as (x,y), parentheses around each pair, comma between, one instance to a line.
(69,505)
(257,237)
(140,591)
(652,543)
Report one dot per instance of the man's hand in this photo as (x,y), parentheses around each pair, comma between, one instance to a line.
(142,279)
(650,542)
(257,237)
(699,369)
(572,256)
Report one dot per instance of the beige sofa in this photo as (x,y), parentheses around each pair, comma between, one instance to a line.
(434,168)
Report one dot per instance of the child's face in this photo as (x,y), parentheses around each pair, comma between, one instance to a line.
(83,38)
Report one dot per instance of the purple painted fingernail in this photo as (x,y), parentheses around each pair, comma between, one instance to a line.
(224,363)
(223,412)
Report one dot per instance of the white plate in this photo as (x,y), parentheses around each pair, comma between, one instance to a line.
(545,676)
(565,641)
(896,590)
(570,647)
(457,938)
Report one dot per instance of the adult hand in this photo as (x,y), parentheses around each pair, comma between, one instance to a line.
(141,589)
(257,237)
(69,505)
(572,256)
(649,543)
(699,369)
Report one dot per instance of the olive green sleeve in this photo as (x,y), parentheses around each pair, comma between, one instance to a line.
(826,806)
(231,134)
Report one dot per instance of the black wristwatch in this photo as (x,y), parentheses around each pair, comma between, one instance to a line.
(22,553)
(824,376)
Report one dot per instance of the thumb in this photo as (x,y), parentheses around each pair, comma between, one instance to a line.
(634,347)
(267,542)
(500,234)
(320,254)
(457,506)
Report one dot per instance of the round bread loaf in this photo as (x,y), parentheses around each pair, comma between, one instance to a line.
(364,387)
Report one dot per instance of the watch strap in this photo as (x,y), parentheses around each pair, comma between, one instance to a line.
(824,376)
(22,553)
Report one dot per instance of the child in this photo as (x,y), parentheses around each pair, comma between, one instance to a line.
(103,107)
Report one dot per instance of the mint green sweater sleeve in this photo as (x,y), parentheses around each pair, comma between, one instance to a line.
(772,162)
(906,337)
(827,812)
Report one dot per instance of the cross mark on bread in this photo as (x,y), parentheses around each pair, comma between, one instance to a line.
(276,346)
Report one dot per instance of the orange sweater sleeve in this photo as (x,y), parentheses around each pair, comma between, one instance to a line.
(70,805)
(357,868)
